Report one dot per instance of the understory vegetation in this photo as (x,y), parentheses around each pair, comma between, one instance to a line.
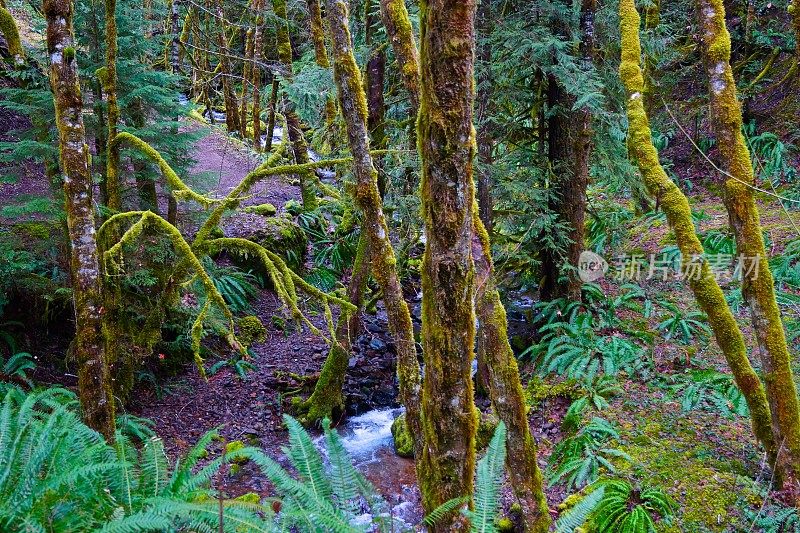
(388,265)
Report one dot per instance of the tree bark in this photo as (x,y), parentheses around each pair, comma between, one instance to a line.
(273,104)
(231,108)
(505,388)
(482,120)
(352,101)
(757,286)
(447,145)
(94,390)
(673,202)
(258,55)
(299,146)
(112,185)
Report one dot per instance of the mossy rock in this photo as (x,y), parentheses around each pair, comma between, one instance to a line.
(265,210)
(293,207)
(251,330)
(486,425)
(539,390)
(403,443)
(282,236)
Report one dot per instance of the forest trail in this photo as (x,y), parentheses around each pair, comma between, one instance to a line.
(250,408)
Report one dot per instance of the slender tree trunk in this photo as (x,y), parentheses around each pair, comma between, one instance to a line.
(321,55)
(273,104)
(249,52)
(757,285)
(110,86)
(446,467)
(505,388)
(299,146)
(375,75)
(258,56)
(652,18)
(352,102)
(482,120)
(673,202)
(231,108)
(94,390)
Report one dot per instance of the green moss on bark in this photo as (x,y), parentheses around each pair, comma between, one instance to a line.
(675,205)
(757,286)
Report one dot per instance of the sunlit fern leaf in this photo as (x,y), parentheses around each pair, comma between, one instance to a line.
(577,515)
(307,460)
(488,482)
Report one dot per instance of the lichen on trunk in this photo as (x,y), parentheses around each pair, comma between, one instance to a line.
(673,202)
(353,103)
(447,146)
(94,390)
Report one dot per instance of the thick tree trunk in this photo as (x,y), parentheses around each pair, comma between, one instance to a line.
(353,103)
(446,139)
(299,146)
(757,285)
(673,202)
(569,200)
(231,108)
(94,390)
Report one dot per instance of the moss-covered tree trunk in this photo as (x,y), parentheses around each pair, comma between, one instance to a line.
(482,120)
(10,31)
(401,35)
(757,283)
(505,388)
(447,146)
(706,290)
(112,185)
(353,104)
(94,390)
(321,54)
(247,69)
(229,95)
(299,146)
(328,400)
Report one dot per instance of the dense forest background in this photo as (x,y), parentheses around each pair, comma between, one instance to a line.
(381,265)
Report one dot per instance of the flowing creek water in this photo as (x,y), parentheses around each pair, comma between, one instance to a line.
(368,440)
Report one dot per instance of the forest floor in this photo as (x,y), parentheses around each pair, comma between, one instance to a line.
(707,462)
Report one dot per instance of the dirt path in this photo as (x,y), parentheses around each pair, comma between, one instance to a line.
(250,409)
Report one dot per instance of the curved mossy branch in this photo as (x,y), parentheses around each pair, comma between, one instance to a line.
(180,190)
(10,31)
(327,400)
(758,287)
(284,279)
(673,202)
(182,249)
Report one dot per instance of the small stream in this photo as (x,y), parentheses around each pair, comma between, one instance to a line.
(368,440)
